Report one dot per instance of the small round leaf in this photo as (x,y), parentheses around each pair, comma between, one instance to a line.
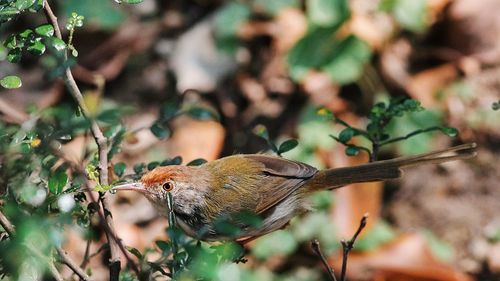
(46,30)
(346,135)
(159,131)
(197,162)
(351,151)
(11,82)
(119,168)
(287,146)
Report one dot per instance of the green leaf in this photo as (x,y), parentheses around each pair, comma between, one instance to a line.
(197,162)
(346,135)
(152,165)
(138,168)
(24,4)
(174,161)
(348,62)
(37,48)
(160,131)
(327,12)
(164,247)
(8,12)
(46,30)
(11,42)
(57,182)
(312,51)
(119,168)
(135,252)
(102,14)
(449,131)
(496,105)
(276,6)
(411,14)
(57,44)
(229,18)
(11,82)
(14,55)
(287,146)
(131,1)
(351,151)
(276,243)
(202,113)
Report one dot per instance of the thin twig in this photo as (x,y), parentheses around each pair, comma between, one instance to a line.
(86,255)
(101,141)
(435,128)
(317,250)
(72,265)
(9,228)
(348,245)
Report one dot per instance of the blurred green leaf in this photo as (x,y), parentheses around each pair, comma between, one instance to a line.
(197,162)
(346,135)
(119,168)
(439,248)
(152,165)
(449,131)
(229,18)
(287,146)
(8,13)
(349,59)
(134,252)
(57,182)
(99,13)
(411,14)
(37,48)
(24,4)
(202,113)
(378,235)
(351,150)
(277,243)
(131,1)
(327,13)
(160,131)
(14,55)
(312,51)
(275,6)
(11,82)
(496,105)
(164,247)
(57,44)
(46,30)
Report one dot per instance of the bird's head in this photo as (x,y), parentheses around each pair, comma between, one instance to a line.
(187,185)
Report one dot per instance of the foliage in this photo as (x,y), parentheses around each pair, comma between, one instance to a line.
(376,132)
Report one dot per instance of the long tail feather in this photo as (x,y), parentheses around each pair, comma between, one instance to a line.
(387,169)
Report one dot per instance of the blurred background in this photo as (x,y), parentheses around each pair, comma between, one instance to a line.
(246,69)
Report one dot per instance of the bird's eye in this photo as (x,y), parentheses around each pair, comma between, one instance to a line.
(168,186)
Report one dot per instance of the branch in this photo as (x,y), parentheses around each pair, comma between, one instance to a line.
(114,261)
(317,250)
(5,223)
(346,248)
(348,245)
(435,128)
(72,265)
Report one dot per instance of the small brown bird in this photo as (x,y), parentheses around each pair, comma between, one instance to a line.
(274,188)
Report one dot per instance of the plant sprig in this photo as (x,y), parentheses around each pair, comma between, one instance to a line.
(376,131)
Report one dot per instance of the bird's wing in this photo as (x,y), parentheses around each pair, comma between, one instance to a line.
(285,177)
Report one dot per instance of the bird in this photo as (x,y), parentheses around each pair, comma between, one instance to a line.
(271,188)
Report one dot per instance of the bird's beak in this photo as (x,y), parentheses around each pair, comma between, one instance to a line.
(135,186)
